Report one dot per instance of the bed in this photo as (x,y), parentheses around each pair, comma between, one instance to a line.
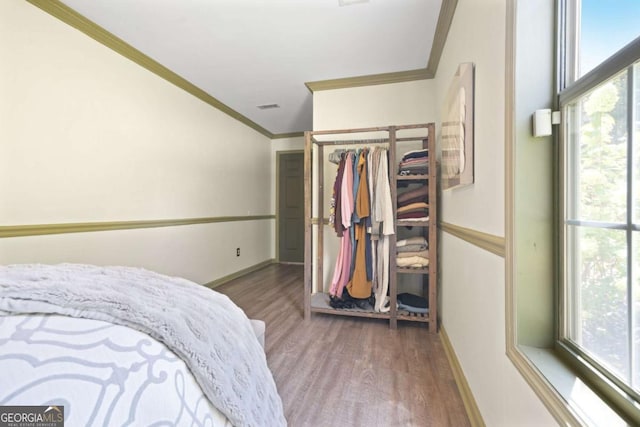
(127,346)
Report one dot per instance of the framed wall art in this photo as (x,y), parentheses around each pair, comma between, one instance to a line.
(457,130)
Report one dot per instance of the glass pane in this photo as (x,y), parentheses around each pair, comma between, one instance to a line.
(636,146)
(605,28)
(636,310)
(598,154)
(598,293)
(572,171)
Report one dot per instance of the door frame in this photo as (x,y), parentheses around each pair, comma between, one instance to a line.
(277,178)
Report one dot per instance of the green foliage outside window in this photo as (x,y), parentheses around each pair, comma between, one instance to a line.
(601,253)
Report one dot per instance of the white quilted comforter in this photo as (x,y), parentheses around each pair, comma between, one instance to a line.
(203,328)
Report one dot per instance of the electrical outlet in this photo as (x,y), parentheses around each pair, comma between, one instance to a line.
(237,251)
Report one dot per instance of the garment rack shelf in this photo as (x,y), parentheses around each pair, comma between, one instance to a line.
(401,223)
(413,317)
(319,304)
(317,301)
(410,270)
(412,177)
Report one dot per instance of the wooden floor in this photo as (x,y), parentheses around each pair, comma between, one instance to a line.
(340,371)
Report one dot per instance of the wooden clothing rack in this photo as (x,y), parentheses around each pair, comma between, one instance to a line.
(315,221)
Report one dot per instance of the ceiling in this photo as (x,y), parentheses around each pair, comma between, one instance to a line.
(246,53)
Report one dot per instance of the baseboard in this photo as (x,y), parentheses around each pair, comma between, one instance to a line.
(463,387)
(239,273)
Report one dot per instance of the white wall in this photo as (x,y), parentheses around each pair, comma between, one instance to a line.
(368,106)
(361,107)
(473,280)
(87,135)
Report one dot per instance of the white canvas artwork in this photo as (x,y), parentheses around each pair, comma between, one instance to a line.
(457,130)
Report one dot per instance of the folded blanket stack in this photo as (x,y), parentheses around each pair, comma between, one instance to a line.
(414,211)
(412,252)
(415,163)
(420,194)
(412,205)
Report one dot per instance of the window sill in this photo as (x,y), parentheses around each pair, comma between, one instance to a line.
(581,405)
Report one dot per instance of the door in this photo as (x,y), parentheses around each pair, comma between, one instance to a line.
(291,206)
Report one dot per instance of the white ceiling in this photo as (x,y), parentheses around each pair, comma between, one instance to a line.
(247,53)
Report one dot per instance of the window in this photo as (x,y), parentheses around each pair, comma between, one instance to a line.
(600,195)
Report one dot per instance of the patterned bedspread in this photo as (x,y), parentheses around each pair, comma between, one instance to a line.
(103,374)
(204,332)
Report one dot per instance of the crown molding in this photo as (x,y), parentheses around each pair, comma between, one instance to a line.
(69,16)
(370,80)
(288,135)
(443,25)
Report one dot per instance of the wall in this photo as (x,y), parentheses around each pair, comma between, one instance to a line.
(368,106)
(361,107)
(87,135)
(534,174)
(473,280)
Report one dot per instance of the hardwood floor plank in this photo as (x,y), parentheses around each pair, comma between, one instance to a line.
(341,371)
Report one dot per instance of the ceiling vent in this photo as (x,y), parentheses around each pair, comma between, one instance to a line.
(350,2)
(268,106)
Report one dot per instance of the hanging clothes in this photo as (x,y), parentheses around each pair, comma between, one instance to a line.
(360,284)
(362,217)
(346,206)
(373,227)
(384,214)
(335,211)
(346,195)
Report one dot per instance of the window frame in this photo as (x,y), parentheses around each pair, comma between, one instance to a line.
(621,396)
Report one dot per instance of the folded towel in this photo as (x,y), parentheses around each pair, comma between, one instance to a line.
(414,261)
(412,248)
(414,171)
(417,219)
(422,191)
(416,153)
(413,166)
(415,162)
(412,207)
(416,215)
(407,254)
(415,240)
(414,200)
